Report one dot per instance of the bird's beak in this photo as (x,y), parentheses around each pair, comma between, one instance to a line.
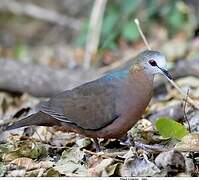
(166,73)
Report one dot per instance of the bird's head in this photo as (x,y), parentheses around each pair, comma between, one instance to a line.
(153,62)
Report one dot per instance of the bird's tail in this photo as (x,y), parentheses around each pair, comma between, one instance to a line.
(38,119)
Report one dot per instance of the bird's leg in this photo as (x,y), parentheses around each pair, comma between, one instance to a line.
(127,139)
(97,146)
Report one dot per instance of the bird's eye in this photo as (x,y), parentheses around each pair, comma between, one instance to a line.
(152,62)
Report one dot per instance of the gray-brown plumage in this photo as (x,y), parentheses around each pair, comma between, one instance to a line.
(107,107)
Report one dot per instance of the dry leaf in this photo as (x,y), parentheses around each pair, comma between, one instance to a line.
(173,161)
(99,168)
(29,164)
(71,162)
(17,173)
(139,167)
(62,139)
(189,143)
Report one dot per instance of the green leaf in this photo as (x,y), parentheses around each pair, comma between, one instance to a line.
(130,32)
(129,6)
(176,19)
(169,128)
(32,153)
(109,22)
(81,39)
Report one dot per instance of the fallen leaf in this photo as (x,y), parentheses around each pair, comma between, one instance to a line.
(190,166)
(131,153)
(52,173)
(142,125)
(139,167)
(114,170)
(16,173)
(24,149)
(42,134)
(63,139)
(71,162)
(29,164)
(83,142)
(10,156)
(189,142)
(173,161)
(100,168)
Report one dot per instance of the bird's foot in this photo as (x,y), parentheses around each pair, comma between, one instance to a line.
(97,146)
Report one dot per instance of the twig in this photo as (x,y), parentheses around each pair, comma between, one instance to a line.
(39,80)
(40,139)
(184,111)
(37,12)
(105,155)
(186,119)
(158,148)
(142,34)
(94,31)
(184,96)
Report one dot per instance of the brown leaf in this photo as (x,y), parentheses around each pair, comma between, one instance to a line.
(29,164)
(98,169)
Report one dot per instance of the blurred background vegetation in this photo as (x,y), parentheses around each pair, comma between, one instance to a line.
(28,37)
(69,36)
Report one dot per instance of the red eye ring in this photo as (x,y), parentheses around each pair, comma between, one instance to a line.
(152,62)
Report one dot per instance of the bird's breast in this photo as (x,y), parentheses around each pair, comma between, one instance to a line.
(134,98)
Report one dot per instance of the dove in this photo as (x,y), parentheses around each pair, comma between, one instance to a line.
(106,107)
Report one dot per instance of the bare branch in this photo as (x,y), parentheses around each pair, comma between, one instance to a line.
(94,31)
(40,13)
(38,80)
(142,34)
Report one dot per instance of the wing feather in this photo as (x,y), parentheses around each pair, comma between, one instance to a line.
(90,106)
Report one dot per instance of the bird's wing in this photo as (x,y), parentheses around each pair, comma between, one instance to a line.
(90,106)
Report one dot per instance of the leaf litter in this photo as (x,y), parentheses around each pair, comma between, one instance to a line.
(49,152)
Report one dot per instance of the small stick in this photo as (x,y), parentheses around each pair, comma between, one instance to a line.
(158,148)
(94,31)
(185,115)
(142,34)
(105,155)
(184,96)
(189,100)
